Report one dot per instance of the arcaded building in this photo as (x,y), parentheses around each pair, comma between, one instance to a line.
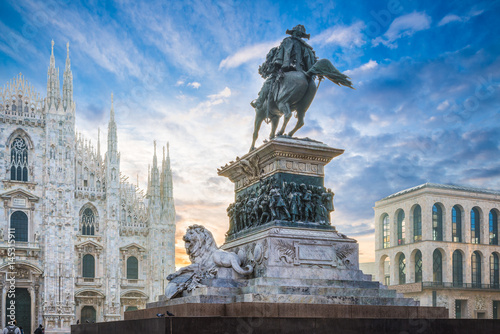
(439,244)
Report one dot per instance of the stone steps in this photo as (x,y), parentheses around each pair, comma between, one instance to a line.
(315,299)
(321,291)
(313,283)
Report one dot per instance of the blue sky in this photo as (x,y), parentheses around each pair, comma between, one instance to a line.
(425,108)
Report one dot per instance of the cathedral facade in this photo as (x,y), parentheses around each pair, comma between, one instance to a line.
(88,244)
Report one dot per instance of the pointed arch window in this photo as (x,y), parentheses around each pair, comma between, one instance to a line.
(418,266)
(476,269)
(493,220)
(132,268)
(88,266)
(437,266)
(458,277)
(19,222)
(494,271)
(401,227)
(402,269)
(456,224)
(19,160)
(386,231)
(437,223)
(475,228)
(88,222)
(417,223)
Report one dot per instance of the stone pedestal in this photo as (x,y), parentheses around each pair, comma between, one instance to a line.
(280,184)
(280,226)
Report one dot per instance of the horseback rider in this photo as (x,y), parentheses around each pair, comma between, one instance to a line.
(293,54)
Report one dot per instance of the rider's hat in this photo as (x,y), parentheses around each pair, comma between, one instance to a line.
(300,29)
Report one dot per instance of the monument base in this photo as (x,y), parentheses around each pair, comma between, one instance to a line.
(298,324)
(291,266)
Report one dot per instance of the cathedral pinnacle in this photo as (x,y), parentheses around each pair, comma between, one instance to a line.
(53,88)
(67,83)
(112,136)
(52,58)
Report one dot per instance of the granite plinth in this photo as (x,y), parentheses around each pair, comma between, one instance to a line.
(383,323)
(290,310)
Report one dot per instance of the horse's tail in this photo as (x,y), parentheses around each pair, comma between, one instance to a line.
(324,68)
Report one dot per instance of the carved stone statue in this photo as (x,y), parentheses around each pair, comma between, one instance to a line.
(205,258)
(290,72)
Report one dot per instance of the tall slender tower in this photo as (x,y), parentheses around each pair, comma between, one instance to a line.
(53,87)
(111,228)
(68,103)
(161,237)
(59,217)
(168,213)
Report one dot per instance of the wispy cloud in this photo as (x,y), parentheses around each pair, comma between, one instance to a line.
(404,26)
(455,18)
(194,84)
(344,36)
(247,54)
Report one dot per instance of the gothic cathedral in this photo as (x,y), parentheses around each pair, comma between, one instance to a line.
(88,244)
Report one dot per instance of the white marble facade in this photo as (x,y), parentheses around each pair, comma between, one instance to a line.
(440,245)
(72,208)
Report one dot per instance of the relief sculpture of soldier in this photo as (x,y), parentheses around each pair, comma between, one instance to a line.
(290,71)
(273,201)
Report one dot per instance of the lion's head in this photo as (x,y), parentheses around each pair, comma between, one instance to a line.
(198,240)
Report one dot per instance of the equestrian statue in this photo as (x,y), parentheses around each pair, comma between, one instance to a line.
(290,71)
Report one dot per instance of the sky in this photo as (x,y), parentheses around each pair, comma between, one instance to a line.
(425,108)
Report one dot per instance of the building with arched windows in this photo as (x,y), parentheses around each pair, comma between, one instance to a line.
(439,244)
(88,244)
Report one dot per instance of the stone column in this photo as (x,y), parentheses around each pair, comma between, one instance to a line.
(466,225)
(485,226)
(427,264)
(447,223)
(394,279)
(408,226)
(467,266)
(426,222)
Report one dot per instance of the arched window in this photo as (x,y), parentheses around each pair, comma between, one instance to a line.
(418,266)
(493,227)
(458,277)
(401,227)
(494,271)
(132,268)
(88,315)
(88,266)
(476,269)
(402,269)
(417,223)
(456,224)
(387,232)
(19,222)
(437,266)
(88,222)
(437,223)
(19,160)
(475,228)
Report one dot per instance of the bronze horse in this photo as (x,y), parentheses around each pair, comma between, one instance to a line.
(295,93)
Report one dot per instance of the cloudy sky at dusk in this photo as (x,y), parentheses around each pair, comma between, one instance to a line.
(425,108)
